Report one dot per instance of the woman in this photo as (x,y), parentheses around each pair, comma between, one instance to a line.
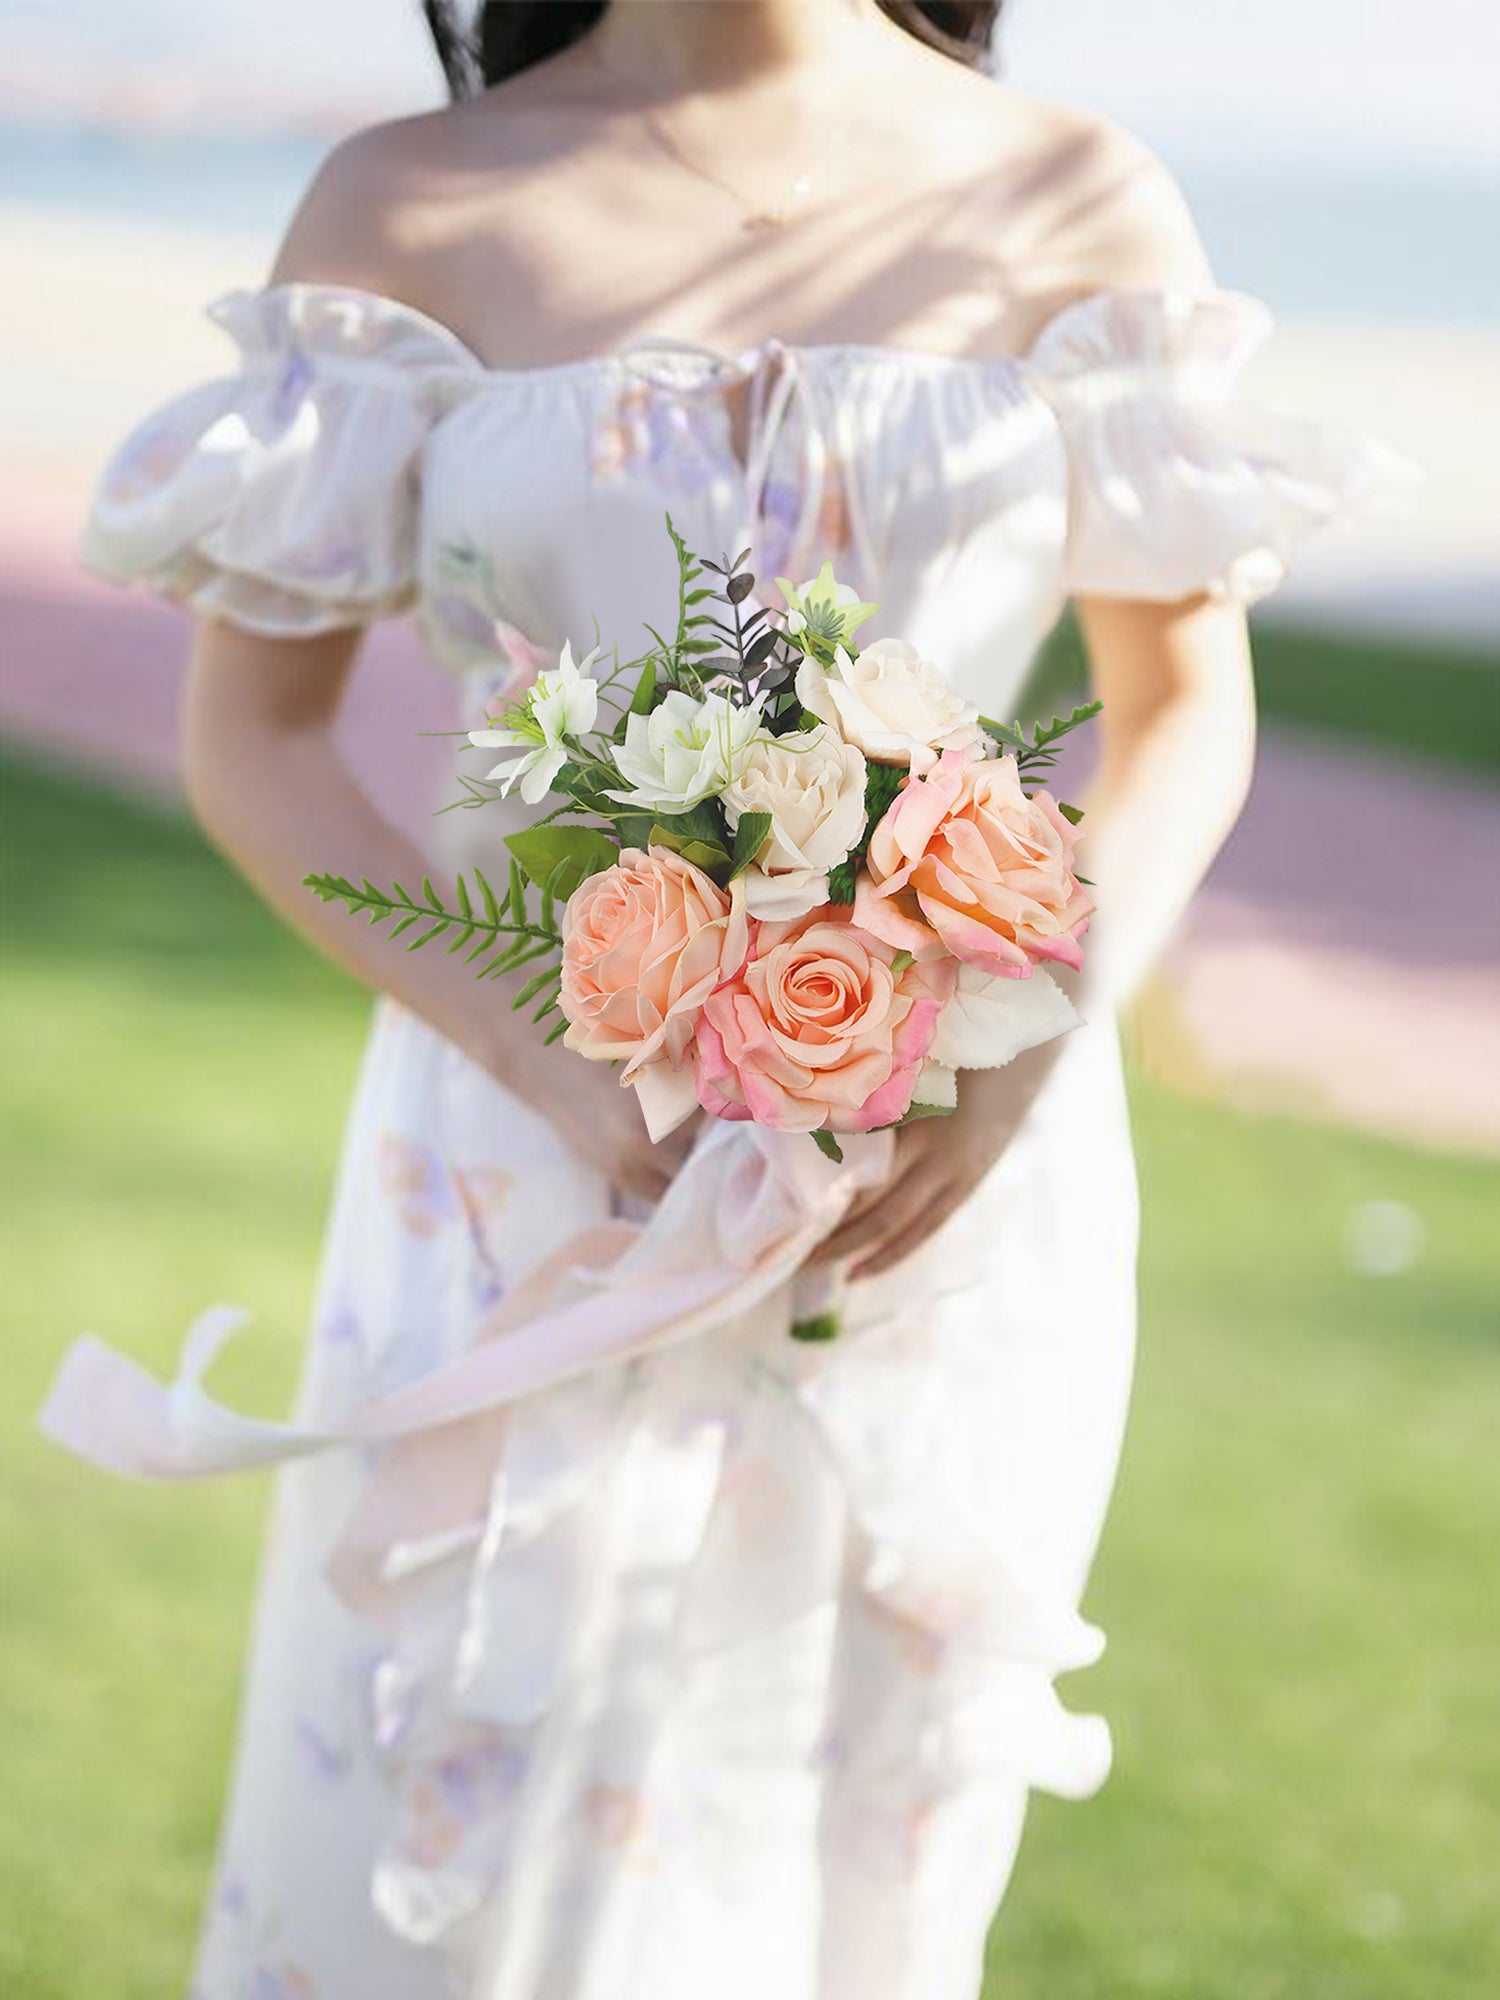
(745,1685)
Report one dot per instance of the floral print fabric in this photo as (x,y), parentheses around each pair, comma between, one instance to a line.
(692,1734)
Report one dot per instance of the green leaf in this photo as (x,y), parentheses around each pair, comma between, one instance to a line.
(505,939)
(645,689)
(704,854)
(560,857)
(827,1145)
(704,821)
(1009,733)
(1073,814)
(1060,725)
(632,827)
(534,985)
(901,961)
(822,1326)
(1039,749)
(491,900)
(917,1111)
(551,889)
(883,783)
(841,881)
(749,838)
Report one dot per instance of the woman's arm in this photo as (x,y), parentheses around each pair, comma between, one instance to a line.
(1178,726)
(1178,733)
(271,789)
(264,773)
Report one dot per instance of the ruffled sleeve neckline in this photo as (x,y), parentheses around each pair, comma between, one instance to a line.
(1213,328)
(338,320)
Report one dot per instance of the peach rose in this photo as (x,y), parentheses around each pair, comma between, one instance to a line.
(820,1028)
(963,857)
(644,944)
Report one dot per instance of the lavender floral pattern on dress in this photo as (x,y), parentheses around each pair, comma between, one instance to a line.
(265,1969)
(781,504)
(467,1786)
(328,1760)
(291,388)
(340,1327)
(671,435)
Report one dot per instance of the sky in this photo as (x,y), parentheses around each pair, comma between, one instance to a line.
(1370,83)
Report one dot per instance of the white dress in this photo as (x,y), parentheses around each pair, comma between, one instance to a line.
(667,1726)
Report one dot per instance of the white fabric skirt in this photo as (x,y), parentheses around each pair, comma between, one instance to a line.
(745,1686)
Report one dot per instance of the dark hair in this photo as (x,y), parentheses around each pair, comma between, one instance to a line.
(507,36)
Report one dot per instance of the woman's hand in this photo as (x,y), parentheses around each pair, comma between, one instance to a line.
(939,1162)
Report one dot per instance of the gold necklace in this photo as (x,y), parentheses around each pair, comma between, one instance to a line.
(756,215)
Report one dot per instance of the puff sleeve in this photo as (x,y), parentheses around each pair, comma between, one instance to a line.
(284,496)
(1177,483)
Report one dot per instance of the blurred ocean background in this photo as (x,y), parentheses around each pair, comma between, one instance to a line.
(1409,245)
(1302,1668)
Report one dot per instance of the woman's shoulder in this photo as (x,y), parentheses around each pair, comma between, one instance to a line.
(1094,208)
(395,208)
(374,204)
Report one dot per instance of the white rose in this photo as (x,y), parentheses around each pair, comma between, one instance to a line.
(684,751)
(892,704)
(813,786)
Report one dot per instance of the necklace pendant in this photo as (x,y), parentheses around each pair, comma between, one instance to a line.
(777,216)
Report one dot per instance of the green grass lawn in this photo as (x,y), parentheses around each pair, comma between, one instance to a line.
(1298,1578)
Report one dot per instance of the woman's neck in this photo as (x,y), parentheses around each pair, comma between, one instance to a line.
(713,45)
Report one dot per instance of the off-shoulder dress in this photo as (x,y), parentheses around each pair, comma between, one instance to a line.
(664,1729)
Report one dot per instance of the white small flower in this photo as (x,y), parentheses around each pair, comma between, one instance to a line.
(684,751)
(890,702)
(558,709)
(813,786)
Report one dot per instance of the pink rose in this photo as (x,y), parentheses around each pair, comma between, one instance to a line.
(644,944)
(963,857)
(819,1028)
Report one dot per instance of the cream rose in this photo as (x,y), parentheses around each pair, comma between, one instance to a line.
(812,784)
(892,704)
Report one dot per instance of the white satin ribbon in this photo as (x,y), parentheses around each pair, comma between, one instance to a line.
(741,1217)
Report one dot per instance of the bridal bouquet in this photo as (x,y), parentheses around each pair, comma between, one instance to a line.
(786,879)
